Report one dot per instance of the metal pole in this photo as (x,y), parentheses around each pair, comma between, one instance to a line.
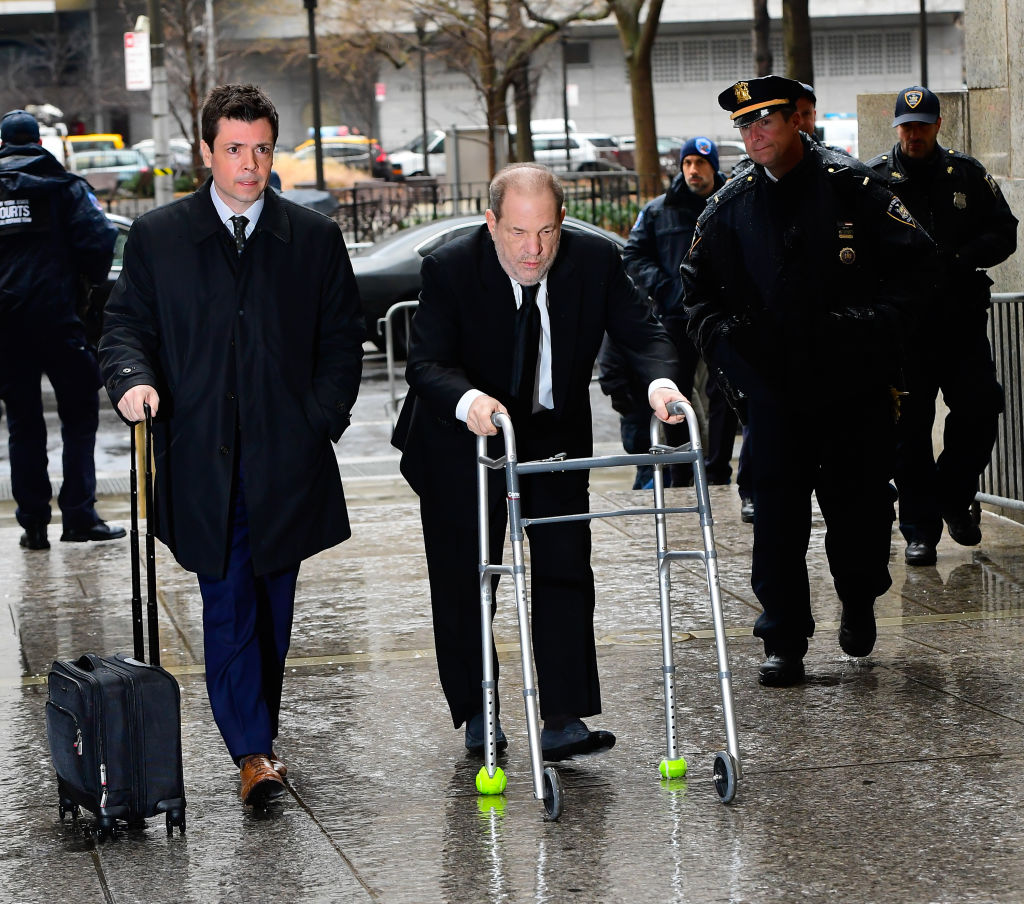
(420,35)
(924,45)
(211,49)
(314,83)
(94,52)
(163,178)
(565,103)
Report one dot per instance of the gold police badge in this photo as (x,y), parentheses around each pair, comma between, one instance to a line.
(742,92)
(959,200)
(847,255)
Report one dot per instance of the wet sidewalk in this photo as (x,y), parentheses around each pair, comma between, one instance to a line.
(897,778)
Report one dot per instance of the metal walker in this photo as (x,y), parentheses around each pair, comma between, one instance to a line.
(546,783)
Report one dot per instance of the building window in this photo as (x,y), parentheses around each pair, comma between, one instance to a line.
(665,62)
(818,54)
(897,52)
(841,59)
(577,53)
(725,62)
(870,55)
(695,61)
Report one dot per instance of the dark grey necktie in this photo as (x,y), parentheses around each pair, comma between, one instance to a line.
(526,339)
(238,224)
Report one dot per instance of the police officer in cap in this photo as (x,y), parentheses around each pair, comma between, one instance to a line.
(53,236)
(803,274)
(960,205)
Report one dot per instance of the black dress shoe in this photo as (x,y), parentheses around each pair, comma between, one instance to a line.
(857,632)
(963,529)
(920,553)
(98,531)
(475,729)
(34,537)
(746,510)
(572,740)
(781,671)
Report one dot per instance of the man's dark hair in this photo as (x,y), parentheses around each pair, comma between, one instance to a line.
(243,102)
(529,177)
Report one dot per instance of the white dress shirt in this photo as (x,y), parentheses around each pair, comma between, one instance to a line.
(252,213)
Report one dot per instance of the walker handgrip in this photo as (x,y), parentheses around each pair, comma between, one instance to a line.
(677,407)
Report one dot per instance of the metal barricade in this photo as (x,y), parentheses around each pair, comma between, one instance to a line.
(1002,483)
(386,327)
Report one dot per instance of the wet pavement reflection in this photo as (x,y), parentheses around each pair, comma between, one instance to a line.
(897,778)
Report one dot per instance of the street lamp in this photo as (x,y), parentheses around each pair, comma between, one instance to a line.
(419,20)
(565,99)
(314,83)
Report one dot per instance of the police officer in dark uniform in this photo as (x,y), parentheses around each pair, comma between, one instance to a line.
(815,367)
(952,196)
(658,241)
(53,236)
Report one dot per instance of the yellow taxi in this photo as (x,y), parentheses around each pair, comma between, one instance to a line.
(97,141)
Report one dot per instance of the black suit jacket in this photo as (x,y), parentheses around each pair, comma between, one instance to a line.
(462,339)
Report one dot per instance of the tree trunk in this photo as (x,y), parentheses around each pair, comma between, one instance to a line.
(762,39)
(796,38)
(520,78)
(637,40)
(646,162)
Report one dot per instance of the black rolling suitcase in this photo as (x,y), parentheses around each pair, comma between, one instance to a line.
(114,722)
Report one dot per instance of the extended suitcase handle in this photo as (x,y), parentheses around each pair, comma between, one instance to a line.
(137,630)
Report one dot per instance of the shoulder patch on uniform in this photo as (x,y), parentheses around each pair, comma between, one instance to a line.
(992,184)
(898,211)
(639,220)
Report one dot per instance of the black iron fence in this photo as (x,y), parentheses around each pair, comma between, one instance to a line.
(370,210)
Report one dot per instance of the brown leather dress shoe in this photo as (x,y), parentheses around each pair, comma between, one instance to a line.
(278,764)
(260,781)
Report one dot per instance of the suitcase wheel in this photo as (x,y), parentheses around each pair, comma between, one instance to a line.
(105,827)
(67,805)
(175,818)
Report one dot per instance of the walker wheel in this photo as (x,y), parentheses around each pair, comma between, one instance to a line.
(725,776)
(552,794)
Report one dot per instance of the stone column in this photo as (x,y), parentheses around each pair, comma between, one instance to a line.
(993,37)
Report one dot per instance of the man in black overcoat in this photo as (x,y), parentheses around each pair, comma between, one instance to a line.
(237,319)
(466,363)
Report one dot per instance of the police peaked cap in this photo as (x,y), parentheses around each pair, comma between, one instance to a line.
(754,99)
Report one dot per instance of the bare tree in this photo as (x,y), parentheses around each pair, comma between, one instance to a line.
(762,38)
(637,39)
(796,39)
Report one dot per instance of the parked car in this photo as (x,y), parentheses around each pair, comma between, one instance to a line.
(110,172)
(587,151)
(389,270)
(410,155)
(668,153)
(180,151)
(92,311)
(729,154)
(355,151)
(98,141)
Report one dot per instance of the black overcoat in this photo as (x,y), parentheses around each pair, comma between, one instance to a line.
(462,338)
(262,350)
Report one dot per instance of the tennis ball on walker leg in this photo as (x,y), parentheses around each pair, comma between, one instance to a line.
(672,768)
(487,784)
